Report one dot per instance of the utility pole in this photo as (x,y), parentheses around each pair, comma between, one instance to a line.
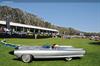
(8,29)
(8,22)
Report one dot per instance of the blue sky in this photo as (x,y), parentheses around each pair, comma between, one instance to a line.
(81,16)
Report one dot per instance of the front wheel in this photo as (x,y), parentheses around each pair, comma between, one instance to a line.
(26,58)
(68,59)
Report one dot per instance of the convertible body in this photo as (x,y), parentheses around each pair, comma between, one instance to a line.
(29,52)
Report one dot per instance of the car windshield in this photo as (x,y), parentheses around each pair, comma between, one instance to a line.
(46,46)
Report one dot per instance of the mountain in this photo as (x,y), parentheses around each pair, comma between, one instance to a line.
(19,16)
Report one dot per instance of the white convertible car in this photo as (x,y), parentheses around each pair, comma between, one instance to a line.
(27,53)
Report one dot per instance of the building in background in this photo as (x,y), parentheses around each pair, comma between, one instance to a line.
(24,30)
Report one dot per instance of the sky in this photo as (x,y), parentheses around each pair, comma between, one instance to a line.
(83,16)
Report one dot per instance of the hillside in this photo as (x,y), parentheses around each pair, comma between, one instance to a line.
(20,16)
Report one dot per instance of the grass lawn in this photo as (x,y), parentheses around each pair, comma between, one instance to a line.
(92,57)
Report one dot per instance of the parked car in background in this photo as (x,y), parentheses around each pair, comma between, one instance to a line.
(96,38)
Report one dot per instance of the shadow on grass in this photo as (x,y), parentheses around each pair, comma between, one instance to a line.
(48,59)
(94,43)
(16,59)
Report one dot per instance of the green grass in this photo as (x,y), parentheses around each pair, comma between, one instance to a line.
(92,57)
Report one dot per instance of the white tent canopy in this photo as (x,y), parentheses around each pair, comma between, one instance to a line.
(28,26)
